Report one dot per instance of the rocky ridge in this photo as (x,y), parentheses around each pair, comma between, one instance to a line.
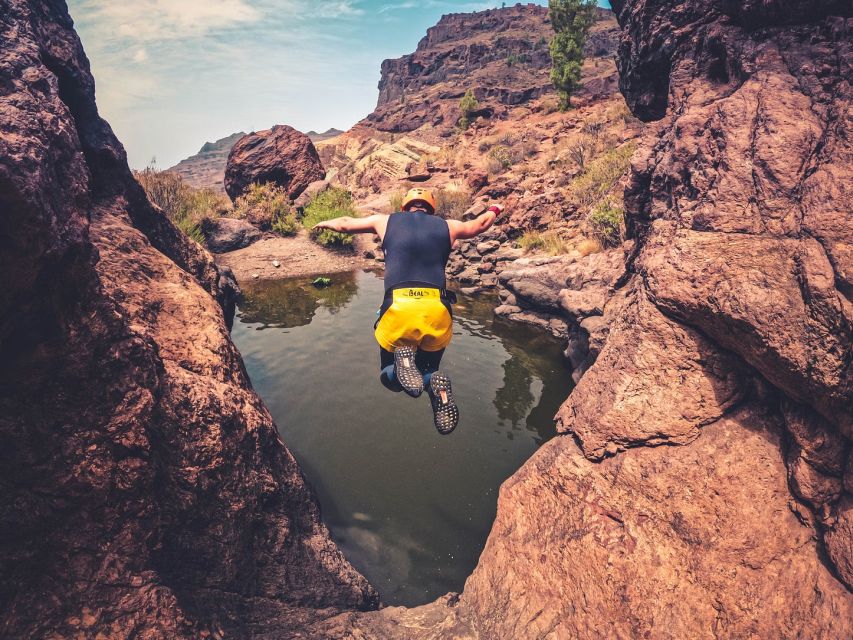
(501,55)
(206,169)
(145,490)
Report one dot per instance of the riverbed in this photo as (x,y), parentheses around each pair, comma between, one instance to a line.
(411,509)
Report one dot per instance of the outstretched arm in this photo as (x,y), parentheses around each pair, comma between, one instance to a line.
(370,224)
(463,230)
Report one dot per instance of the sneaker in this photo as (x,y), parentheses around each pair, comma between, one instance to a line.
(406,371)
(444,410)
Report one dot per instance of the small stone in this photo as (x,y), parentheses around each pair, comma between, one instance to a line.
(506,310)
(255,276)
(488,247)
(276,264)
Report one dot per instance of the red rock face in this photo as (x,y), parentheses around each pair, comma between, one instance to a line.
(145,492)
(281,155)
(500,54)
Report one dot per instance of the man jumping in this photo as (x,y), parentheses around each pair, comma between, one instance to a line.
(415,322)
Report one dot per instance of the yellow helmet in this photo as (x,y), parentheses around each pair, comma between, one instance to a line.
(419,195)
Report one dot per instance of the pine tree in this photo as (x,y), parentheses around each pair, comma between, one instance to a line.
(571,20)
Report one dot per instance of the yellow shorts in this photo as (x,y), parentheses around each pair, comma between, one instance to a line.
(415,318)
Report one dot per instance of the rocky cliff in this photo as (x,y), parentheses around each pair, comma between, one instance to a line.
(145,492)
(501,55)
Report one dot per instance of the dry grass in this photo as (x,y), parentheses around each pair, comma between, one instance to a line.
(588,246)
(188,208)
(550,242)
(395,201)
(600,176)
(450,204)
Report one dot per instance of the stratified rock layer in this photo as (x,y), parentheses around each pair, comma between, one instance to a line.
(281,155)
(145,492)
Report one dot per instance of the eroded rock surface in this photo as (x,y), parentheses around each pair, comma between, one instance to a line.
(281,155)
(145,492)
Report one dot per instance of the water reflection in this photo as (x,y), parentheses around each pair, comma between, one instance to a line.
(284,304)
(525,368)
(409,508)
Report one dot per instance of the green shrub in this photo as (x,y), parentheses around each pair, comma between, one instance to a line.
(188,208)
(451,204)
(468,105)
(502,156)
(605,221)
(286,225)
(190,229)
(267,206)
(331,203)
(600,175)
(531,240)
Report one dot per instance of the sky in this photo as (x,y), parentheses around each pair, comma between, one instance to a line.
(173,74)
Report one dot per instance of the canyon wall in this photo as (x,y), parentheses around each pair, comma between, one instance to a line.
(501,55)
(704,485)
(145,492)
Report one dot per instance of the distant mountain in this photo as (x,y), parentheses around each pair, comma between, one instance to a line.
(317,137)
(207,167)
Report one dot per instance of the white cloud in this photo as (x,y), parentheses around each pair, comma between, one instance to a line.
(152,20)
(339,9)
(140,56)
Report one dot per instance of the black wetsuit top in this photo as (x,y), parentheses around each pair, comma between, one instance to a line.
(416,246)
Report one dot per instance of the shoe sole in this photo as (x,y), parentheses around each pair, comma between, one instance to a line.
(408,375)
(445,414)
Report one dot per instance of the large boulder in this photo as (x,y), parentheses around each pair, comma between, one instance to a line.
(229,234)
(281,155)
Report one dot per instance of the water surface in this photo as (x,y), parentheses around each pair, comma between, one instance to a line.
(411,509)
